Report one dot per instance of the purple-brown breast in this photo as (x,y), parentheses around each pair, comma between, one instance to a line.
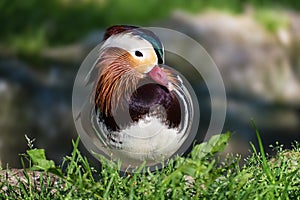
(155,99)
(149,99)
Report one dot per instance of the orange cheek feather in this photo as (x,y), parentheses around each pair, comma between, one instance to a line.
(145,65)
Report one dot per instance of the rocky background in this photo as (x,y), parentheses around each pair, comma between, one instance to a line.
(258,55)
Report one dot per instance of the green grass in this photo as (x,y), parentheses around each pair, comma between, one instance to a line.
(201,175)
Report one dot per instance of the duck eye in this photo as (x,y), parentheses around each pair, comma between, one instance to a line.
(138,54)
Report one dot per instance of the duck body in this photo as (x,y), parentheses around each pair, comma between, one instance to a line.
(140,108)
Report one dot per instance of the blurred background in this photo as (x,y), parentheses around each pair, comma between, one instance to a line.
(255,44)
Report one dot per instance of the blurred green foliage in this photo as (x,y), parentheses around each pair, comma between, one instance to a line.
(272,19)
(27,26)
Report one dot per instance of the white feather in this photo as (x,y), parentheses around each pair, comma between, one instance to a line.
(130,43)
(148,139)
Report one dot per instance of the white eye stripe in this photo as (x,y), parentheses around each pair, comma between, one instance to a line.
(139,48)
(128,42)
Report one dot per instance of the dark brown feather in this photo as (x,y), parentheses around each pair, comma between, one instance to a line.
(113,30)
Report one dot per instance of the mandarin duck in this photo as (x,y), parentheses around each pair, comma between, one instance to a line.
(140,109)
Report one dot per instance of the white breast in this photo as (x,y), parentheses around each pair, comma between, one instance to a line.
(149,139)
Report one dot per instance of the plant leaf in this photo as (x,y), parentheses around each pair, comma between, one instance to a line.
(40,162)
